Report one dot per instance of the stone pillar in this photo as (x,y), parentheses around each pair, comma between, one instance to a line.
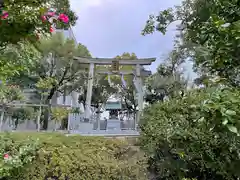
(140,86)
(74,95)
(89,91)
(139,93)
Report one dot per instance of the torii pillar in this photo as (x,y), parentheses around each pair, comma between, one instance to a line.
(89,91)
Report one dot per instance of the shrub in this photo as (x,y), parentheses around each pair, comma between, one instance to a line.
(195,136)
(81,158)
(14,156)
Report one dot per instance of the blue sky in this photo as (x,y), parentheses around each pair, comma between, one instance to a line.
(111,27)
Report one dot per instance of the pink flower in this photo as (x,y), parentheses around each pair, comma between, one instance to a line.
(6,156)
(5,15)
(64,18)
(51,29)
(43,18)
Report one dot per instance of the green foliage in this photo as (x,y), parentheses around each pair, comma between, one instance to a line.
(80,158)
(76,110)
(18,58)
(44,85)
(15,155)
(55,70)
(168,81)
(24,20)
(210,32)
(127,93)
(59,113)
(58,64)
(9,93)
(23,114)
(195,136)
(101,90)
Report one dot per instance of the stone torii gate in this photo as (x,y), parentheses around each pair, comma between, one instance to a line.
(138,63)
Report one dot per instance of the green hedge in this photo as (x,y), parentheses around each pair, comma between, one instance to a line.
(79,158)
(196,136)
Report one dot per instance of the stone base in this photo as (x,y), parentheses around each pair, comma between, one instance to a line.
(107,133)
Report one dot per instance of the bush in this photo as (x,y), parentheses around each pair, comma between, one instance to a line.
(195,136)
(15,155)
(80,158)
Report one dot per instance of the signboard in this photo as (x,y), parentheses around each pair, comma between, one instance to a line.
(113,105)
(115,66)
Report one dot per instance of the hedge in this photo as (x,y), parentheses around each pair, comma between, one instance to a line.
(59,157)
(195,136)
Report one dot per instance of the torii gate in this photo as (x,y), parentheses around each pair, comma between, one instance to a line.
(138,63)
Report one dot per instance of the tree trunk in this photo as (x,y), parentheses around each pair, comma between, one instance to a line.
(47,114)
(136,116)
(16,123)
(1,119)
(64,124)
(98,117)
(56,125)
(39,118)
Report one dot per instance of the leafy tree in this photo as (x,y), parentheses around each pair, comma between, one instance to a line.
(8,94)
(127,93)
(195,136)
(168,81)
(44,86)
(101,91)
(59,114)
(202,80)
(55,70)
(21,19)
(22,114)
(191,136)
(209,34)
(58,64)
(18,58)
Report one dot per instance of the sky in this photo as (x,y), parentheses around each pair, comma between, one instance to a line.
(112,27)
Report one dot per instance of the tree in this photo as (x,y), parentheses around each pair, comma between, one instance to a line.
(22,114)
(128,92)
(56,70)
(190,137)
(8,94)
(44,86)
(58,63)
(17,58)
(101,91)
(209,33)
(58,114)
(22,19)
(168,81)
